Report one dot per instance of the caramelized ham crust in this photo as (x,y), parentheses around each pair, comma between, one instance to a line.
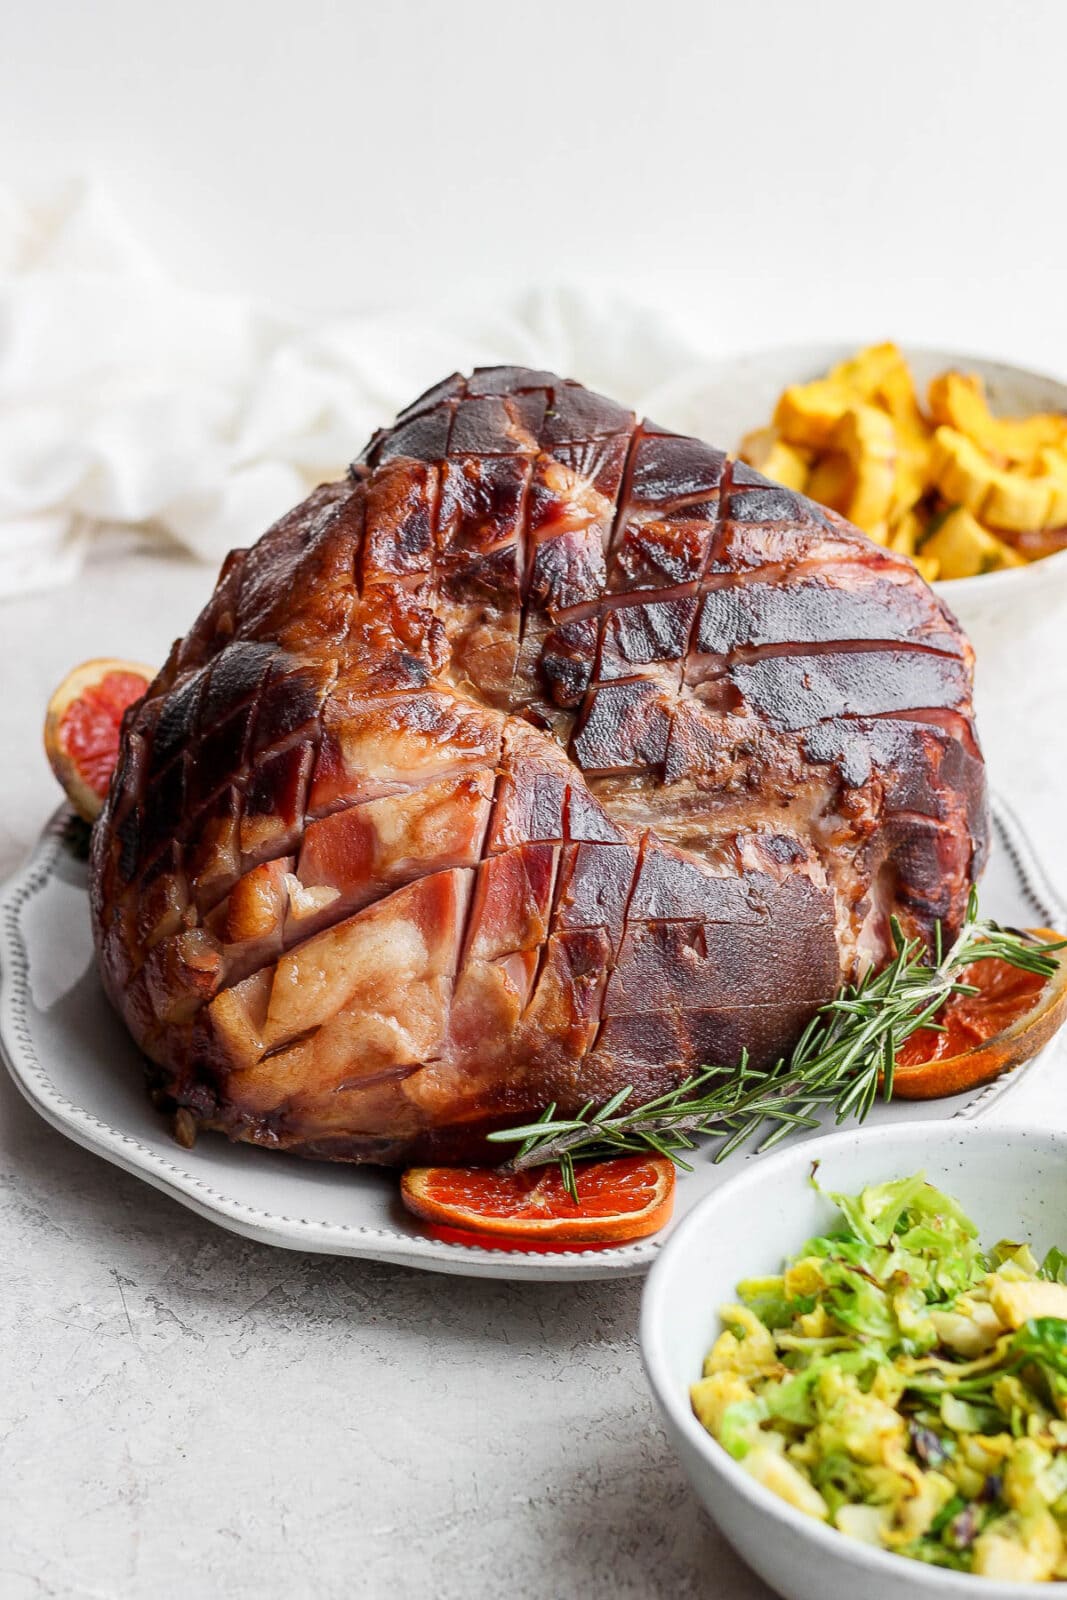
(549,752)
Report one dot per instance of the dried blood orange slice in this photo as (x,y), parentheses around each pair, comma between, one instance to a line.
(1013,1015)
(81,730)
(618,1200)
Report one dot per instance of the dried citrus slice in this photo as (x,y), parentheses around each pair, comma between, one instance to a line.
(618,1200)
(81,730)
(1007,1022)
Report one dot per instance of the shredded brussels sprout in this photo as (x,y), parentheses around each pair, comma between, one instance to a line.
(903,1385)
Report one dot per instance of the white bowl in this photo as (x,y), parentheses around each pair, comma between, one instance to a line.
(1012,1181)
(725,399)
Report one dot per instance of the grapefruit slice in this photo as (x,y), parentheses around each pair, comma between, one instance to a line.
(81,729)
(1007,1022)
(619,1200)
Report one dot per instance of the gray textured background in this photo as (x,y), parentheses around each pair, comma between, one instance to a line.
(187,1413)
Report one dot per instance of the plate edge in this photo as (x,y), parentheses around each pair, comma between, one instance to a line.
(1050,907)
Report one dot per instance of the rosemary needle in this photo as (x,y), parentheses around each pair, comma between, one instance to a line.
(845,1053)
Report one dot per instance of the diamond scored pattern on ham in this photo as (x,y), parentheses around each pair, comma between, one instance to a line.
(547,753)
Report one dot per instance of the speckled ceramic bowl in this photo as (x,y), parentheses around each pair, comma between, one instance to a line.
(725,399)
(1012,1181)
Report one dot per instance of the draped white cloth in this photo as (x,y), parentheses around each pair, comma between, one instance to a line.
(126,398)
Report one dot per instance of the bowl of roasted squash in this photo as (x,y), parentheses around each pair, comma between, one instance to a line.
(957,462)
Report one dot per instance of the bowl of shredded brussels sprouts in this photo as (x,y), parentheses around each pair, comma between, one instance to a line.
(860,1350)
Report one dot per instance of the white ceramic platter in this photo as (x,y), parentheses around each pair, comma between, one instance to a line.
(75,1063)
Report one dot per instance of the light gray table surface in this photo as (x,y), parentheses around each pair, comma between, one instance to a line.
(184,1413)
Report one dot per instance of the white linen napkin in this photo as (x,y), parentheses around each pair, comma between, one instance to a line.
(126,398)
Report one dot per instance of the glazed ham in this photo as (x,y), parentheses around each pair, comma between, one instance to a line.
(548,752)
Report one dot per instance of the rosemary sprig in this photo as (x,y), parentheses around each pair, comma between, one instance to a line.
(848,1048)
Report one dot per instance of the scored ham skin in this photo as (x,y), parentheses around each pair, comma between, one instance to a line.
(548,753)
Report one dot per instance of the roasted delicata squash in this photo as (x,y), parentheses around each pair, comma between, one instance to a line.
(906,539)
(880,376)
(957,400)
(830,481)
(867,439)
(867,372)
(954,488)
(1015,501)
(808,413)
(785,463)
(962,548)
